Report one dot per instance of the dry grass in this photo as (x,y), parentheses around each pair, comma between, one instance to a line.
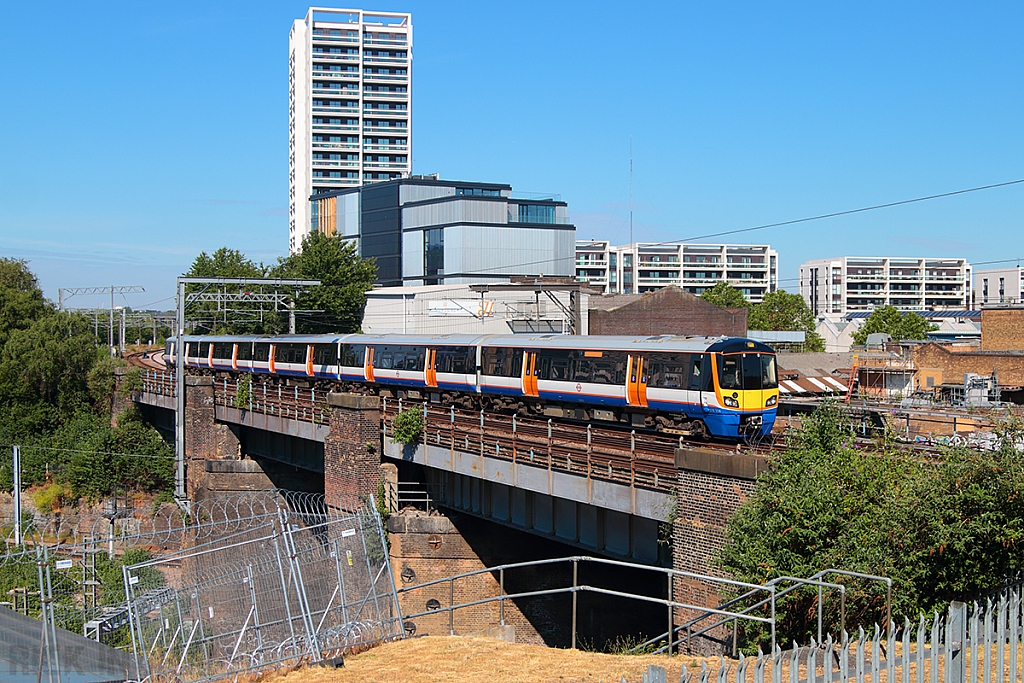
(443,659)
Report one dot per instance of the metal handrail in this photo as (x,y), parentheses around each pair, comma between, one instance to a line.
(576,588)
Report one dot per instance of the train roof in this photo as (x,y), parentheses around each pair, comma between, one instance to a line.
(668,343)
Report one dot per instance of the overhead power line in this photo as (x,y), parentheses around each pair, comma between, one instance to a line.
(795,221)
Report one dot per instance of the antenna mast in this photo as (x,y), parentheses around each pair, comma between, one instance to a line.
(631,191)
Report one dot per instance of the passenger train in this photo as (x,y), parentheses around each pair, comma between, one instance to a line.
(723,388)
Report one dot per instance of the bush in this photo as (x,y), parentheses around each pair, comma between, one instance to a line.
(940,530)
(243,394)
(407,427)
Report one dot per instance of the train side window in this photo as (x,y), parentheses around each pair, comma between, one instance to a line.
(669,370)
(290,353)
(583,370)
(244,351)
(495,362)
(707,381)
(325,354)
(353,355)
(696,373)
(453,359)
(204,349)
(261,352)
(223,350)
(555,364)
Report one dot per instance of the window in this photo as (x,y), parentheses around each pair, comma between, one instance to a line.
(409,358)
(501,362)
(353,355)
(536,213)
(477,191)
(455,359)
(223,350)
(290,353)
(325,354)
(433,256)
(245,352)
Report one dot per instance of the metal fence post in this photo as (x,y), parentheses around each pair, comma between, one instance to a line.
(957,628)
(671,626)
(501,593)
(575,566)
(451,606)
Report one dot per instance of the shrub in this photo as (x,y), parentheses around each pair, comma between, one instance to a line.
(407,426)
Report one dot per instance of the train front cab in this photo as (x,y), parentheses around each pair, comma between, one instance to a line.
(746,386)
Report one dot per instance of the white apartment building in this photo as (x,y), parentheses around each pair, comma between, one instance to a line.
(840,285)
(999,286)
(349,104)
(644,267)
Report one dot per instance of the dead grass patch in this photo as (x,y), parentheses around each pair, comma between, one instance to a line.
(442,659)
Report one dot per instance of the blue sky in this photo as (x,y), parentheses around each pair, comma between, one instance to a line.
(134,135)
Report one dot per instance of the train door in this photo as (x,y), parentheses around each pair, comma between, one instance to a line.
(430,369)
(309,360)
(709,380)
(234,357)
(368,364)
(271,365)
(636,381)
(530,373)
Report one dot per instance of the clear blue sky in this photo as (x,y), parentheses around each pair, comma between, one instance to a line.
(134,135)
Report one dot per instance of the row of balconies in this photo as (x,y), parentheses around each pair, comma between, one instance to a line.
(912,278)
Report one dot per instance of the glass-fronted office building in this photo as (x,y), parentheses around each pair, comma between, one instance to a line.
(426,231)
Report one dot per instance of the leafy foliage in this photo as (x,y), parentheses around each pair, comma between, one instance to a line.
(56,388)
(345,279)
(243,395)
(899,326)
(781,311)
(407,427)
(941,531)
(725,295)
(251,317)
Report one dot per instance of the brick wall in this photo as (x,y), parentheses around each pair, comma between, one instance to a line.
(205,438)
(1002,329)
(425,548)
(352,448)
(711,486)
(669,311)
(945,365)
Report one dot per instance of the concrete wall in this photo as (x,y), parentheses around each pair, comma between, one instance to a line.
(668,311)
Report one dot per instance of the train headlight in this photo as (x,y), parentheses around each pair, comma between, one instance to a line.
(772,400)
(731,402)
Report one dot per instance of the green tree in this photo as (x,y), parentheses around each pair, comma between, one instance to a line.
(725,295)
(345,278)
(899,326)
(941,530)
(21,299)
(243,317)
(782,311)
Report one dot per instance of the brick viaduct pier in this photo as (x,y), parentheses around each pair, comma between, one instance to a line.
(554,488)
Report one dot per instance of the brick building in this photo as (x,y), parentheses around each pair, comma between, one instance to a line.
(665,311)
(935,365)
(1002,328)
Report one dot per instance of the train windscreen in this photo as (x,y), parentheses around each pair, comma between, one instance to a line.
(747,371)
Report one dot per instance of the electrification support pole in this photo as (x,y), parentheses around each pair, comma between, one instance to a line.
(16,451)
(110,331)
(180,495)
(291,317)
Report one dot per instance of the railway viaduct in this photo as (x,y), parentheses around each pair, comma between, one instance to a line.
(551,486)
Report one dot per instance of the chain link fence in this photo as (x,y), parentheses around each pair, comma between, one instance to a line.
(243,583)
